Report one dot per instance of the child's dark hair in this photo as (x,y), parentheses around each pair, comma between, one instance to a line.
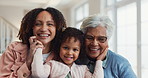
(69,33)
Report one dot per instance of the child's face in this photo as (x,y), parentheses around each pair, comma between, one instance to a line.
(69,51)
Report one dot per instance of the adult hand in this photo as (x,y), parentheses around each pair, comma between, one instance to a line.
(34,44)
(102,54)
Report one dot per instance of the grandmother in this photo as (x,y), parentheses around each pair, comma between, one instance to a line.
(98,30)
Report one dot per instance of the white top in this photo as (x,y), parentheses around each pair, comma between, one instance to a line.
(45,56)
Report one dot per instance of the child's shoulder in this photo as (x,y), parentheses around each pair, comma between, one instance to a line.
(79,66)
(56,63)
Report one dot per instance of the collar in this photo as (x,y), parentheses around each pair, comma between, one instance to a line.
(88,60)
(104,64)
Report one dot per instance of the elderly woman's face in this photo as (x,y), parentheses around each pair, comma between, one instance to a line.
(96,41)
(44,28)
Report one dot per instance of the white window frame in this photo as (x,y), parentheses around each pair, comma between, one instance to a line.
(114,8)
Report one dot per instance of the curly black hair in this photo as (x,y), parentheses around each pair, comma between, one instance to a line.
(67,34)
(28,21)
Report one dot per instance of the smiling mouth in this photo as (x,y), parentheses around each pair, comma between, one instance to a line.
(43,35)
(68,58)
(94,50)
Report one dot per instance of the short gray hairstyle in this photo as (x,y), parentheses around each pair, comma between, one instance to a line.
(98,20)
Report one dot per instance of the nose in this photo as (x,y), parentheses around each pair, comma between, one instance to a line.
(95,42)
(44,27)
(69,52)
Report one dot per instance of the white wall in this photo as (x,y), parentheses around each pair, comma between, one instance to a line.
(68,12)
(15,14)
(94,6)
(12,14)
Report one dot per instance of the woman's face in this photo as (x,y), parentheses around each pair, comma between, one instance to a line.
(96,41)
(44,28)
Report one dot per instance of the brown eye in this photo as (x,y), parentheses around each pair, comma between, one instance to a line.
(89,37)
(75,50)
(50,24)
(102,39)
(66,48)
(37,24)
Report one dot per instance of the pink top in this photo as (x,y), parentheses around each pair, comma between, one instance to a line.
(13,61)
(55,69)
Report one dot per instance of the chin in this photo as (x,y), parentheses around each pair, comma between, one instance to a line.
(93,56)
(45,41)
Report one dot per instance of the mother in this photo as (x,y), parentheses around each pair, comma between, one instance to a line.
(39,27)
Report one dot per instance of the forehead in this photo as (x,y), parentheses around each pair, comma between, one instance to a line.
(44,15)
(96,31)
(71,39)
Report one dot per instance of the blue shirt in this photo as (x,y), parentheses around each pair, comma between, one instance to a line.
(115,66)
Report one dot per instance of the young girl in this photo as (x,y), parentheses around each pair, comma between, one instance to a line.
(69,48)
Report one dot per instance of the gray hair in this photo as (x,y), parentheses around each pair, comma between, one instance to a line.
(98,20)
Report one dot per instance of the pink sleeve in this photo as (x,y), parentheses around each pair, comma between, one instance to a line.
(98,72)
(10,68)
(38,69)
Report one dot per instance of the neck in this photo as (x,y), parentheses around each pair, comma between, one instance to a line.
(46,49)
(69,65)
(92,59)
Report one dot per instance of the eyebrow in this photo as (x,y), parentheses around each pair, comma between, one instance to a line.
(46,21)
(89,35)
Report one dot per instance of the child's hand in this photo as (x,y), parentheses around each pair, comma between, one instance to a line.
(103,54)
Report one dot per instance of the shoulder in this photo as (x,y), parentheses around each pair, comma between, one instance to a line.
(121,65)
(57,66)
(54,63)
(80,67)
(76,65)
(116,59)
(16,47)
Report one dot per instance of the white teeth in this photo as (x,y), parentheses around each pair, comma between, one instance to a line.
(94,49)
(44,35)
(68,57)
